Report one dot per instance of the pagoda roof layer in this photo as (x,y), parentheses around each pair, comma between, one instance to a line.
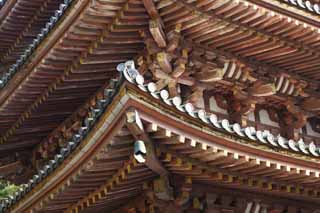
(59,68)
(183,145)
(70,66)
(20,22)
(250,133)
(78,55)
(259,36)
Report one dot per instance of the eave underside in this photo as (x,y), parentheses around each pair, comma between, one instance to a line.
(102,173)
(20,22)
(81,54)
(64,75)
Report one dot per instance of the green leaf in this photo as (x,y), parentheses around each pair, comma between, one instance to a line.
(7,189)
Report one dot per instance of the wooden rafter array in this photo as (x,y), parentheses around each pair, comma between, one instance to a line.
(63,79)
(239,47)
(109,167)
(276,144)
(258,35)
(179,149)
(130,177)
(223,199)
(86,167)
(176,61)
(200,71)
(17,33)
(102,182)
(178,160)
(291,10)
(66,69)
(60,136)
(65,132)
(108,178)
(189,71)
(212,198)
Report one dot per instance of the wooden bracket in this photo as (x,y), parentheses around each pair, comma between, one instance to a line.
(312,104)
(151,9)
(136,128)
(157,32)
(260,89)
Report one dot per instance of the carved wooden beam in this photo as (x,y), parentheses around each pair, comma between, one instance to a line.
(311,104)
(151,9)
(174,38)
(196,97)
(136,128)
(158,199)
(292,119)
(156,30)
(300,117)
(168,77)
(172,87)
(260,89)
(208,74)
(239,94)
(164,61)
(175,64)
(240,105)
(180,64)
(221,102)
(239,110)
(150,44)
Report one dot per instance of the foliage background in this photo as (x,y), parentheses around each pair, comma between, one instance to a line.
(7,189)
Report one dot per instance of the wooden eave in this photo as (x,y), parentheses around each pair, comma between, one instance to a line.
(20,22)
(291,10)
(5,9)
(59,73)
(184,146)
(84,164)
(284,44)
